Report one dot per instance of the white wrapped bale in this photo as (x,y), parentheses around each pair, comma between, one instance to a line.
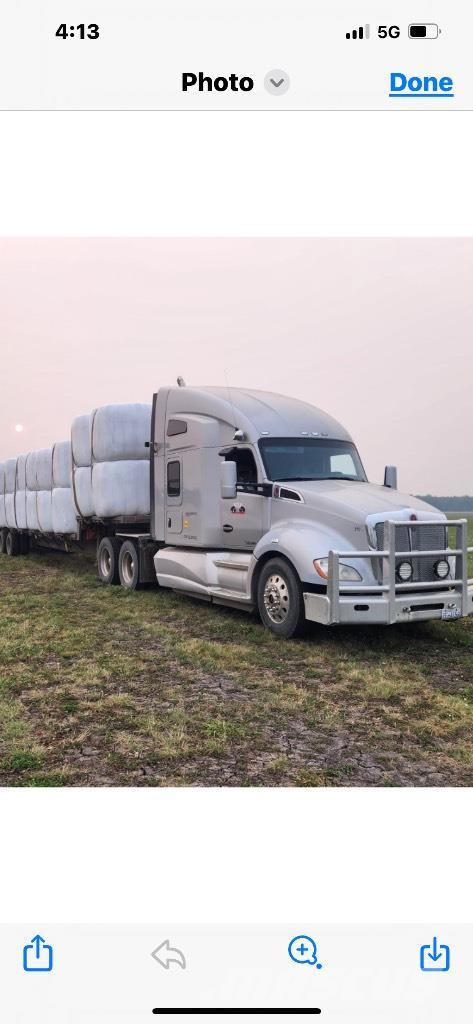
(63,507)
(20,493)
(20,510)
(10,480)
(31,489)
(121,488)
(21,473)
(31,510)
(10,511)
(64,511)
(31,484)
(10,476)
(44,505)
(120,431)
(62,464)
(120,473)
(3,521)
(83,491)
(81,443)
(81,439)
(44,469)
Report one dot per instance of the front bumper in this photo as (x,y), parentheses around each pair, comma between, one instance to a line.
(376,609)
(391,602)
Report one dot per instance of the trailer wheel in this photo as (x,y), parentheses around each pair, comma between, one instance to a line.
(129,565)
(3,539)
(12,543)
(280,601)
(24,544)
(107,560)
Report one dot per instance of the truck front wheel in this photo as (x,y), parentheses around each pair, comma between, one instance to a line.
(280,601)
(107,560)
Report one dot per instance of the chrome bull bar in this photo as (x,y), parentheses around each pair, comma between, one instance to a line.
(395,589)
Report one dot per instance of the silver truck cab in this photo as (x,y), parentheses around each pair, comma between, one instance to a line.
(259,500)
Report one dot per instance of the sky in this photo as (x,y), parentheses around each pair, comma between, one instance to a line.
(378,332)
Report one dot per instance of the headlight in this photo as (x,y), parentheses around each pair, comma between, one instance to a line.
(442,569)
(347,573)
(404,571)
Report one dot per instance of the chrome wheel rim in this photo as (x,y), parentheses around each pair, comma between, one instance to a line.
(105,562)
(276,598)
(128,568)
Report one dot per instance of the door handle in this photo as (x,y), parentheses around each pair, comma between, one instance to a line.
(169,522)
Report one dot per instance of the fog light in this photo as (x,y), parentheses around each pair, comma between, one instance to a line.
(404,571)
(442,569)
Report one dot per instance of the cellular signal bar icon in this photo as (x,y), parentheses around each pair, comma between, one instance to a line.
(363,32)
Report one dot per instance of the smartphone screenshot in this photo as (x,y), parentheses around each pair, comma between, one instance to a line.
(236,512)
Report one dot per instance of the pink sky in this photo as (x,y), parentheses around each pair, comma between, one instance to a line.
(379,332)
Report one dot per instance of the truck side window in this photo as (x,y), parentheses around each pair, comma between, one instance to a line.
(247,473)
(174,479)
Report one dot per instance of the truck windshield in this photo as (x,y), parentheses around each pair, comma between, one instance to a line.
(293,458)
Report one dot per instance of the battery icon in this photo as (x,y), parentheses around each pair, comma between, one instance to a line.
(424,30)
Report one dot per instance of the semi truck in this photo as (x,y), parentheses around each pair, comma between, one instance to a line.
(243,498)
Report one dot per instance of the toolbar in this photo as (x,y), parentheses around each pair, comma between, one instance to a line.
(358,973)
(241,55)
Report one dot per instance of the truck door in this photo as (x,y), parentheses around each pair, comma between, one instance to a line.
(173,479)
(243,518)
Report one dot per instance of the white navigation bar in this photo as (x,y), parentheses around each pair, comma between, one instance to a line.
(243,54)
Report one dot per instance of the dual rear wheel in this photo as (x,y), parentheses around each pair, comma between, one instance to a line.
(119,562)
(13,543)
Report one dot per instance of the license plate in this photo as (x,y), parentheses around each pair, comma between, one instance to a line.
(451,613)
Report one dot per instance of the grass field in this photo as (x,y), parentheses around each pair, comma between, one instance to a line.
(102,687)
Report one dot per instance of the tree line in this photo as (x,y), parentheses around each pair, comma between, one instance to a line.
(450,503)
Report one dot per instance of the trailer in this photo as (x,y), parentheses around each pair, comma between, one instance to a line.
(242,498)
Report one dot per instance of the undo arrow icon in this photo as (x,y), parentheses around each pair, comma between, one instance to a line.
(165,955)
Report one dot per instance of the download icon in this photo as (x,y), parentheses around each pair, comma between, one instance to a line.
(435,957)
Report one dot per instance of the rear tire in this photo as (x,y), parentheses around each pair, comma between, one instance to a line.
(3,539)
(129,565)
(12,543)
(280,600)
(107,560)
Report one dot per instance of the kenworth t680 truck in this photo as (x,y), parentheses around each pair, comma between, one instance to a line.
(242,498)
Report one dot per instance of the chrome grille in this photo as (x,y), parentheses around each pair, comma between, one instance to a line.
(417,537)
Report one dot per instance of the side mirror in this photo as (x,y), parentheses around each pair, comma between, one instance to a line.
(390,477)
(228,479)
